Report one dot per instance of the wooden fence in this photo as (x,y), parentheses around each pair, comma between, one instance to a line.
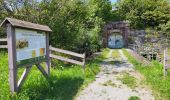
(81,56)
(166,61)
(1,41)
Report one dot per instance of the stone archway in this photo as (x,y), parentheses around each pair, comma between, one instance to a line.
(116,41)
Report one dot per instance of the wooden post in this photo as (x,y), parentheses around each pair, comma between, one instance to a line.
(23,76)
(84,62)
(12,58)
(165,70)
(47,55)
(152,54)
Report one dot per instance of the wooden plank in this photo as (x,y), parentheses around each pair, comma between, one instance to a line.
(66,52)
(24,76)
(66,59)
(3,40)
(164,62)
(167,57)
(30,64)
(25,24)
(42,70)
(48,64)
(84,62)
(167,66)
(3,46)
(12,58)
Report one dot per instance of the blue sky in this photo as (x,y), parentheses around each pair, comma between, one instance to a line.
(113,1)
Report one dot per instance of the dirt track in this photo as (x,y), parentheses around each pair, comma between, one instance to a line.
(107,86)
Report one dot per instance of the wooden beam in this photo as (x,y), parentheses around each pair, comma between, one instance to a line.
(3,40)
(48,64)
(167,57)
(42,70)
(66,59)
(12,58)
(164,69)
(66,52)
(23,77)
(167,66)
(30,64)
(84,62)
(3,46)
(26,25)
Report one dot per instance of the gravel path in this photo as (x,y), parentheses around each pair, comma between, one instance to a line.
(107,86)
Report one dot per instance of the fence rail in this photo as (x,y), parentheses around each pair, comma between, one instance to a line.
(66,59)
(3,46)
(82,56)
(3,40)
(67,52)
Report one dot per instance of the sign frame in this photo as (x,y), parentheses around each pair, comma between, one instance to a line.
(11,24)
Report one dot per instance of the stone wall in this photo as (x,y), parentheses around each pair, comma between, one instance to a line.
(120,27)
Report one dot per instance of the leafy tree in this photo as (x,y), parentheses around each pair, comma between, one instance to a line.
(76,24)
(145,13)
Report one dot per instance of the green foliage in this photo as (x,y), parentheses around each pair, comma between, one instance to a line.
(105,52)
(144,13)
(76,24)
(63,84)
(154,77)
(134,98)
(166,28)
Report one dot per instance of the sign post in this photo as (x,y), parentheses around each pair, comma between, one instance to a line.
(28,45)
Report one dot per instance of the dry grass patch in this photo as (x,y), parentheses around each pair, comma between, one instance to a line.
(128,80)
(109,83)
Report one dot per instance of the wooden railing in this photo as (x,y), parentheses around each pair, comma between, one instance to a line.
(3,40)
(82,56)
(166,61)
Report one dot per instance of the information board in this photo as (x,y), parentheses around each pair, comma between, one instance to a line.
(30,45)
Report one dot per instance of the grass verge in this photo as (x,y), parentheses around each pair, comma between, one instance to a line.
(134,98)
(154,77)
(64,83)
(128,80)
(115,54)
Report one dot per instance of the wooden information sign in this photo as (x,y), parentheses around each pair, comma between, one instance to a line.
(28,45)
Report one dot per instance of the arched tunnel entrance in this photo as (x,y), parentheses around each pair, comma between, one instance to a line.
(115,41)
(115,34)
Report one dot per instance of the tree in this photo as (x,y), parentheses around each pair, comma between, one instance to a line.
(76,24)
(145,13)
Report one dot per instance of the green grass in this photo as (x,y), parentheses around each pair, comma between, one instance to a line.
(128,80)
(105,52)
(64,83)
(115,54)
(134,98)
(154,77)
